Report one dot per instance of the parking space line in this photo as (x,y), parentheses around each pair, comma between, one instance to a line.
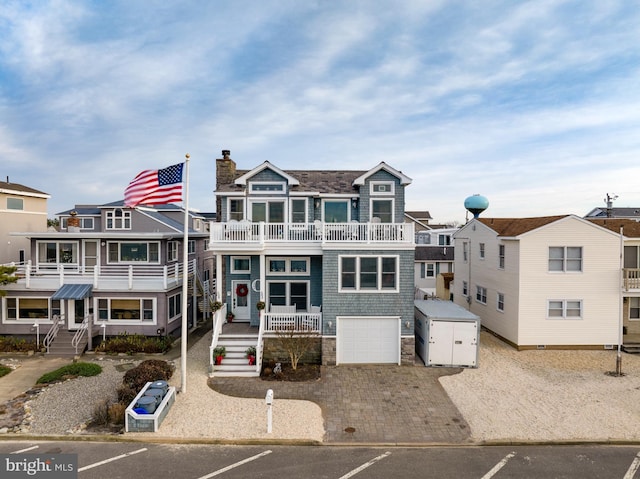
(25,450)
(365,465)
(106,461)
(498,466)
(232,466)
(633,468)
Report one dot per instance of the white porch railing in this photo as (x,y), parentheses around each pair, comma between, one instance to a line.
(218,320)
(631,279)
(309,322)
(318,232)
(124,274)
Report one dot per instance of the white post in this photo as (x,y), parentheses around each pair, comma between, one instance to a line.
(185,280)
(269,400)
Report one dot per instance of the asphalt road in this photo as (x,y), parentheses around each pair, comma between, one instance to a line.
(143,460)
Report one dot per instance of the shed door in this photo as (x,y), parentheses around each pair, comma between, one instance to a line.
(371,340)
(452,343)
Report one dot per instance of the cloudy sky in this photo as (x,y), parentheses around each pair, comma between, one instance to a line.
(533,104)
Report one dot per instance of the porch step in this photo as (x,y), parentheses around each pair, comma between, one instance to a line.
(235,364)
(61,345)
(631,348)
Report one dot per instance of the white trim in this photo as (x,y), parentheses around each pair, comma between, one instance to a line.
(242,180)
(240,271)
(389,183)
(404,179)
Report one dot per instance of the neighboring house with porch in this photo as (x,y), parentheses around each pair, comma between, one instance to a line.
(21,209)
(326,251)
(108,270)
(434,262)
(547,282)
(630,229)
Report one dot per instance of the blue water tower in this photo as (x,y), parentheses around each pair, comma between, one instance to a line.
(476,204)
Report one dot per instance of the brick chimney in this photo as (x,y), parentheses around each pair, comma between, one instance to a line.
(73,222)
(225,174)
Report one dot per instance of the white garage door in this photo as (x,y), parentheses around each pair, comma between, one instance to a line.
(368,340)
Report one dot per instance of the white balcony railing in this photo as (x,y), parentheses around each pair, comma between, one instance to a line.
(631,279)
(303,322)
(317,232)
(128,276)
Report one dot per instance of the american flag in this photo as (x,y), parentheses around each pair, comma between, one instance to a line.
(155,187)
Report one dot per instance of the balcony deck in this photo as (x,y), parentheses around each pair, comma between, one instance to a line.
(127,277)
(260,235)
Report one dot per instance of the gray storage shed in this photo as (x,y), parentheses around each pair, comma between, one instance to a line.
(447,335)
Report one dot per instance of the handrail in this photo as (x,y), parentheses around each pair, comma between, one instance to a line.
(53,331)
(84,328)
(302,322)
(259,346)
(218,317)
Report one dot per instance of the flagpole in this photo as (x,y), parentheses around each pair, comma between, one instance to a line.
(185,280)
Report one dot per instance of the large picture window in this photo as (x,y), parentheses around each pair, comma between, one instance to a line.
(134,252)
(336,211)
(32,308)
(368,273)
(126,309)
(57,252)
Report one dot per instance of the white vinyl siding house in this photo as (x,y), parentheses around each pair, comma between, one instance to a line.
(530,317)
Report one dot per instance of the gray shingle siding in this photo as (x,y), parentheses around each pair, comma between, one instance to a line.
(336,303)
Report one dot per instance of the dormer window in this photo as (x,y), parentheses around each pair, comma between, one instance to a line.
(267,187)
(382,188)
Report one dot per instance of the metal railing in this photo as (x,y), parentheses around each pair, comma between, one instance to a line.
(53,331)
(82,330)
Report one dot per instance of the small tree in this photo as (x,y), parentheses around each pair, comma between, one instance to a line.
(7,276)
(296,342)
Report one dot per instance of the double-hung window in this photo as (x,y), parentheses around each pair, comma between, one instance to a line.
(634,309)
(500,302)
(501,256)
(565,258)
(118,219)
(481,250)
(172,251)
(481,295)
(564,309)
(368,273)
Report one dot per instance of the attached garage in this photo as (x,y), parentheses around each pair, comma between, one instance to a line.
(368,340)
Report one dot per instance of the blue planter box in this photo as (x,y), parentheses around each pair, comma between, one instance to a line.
(140,422)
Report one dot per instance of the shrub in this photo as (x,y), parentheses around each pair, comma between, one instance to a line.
(116,413)
(11,344)
(4,370)
(101,412)
(71,370)
(135,343)
(147,371)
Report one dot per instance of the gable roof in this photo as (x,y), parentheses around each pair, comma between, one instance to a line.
(404,179)
(315,181)
(517,226)
(6,187)
(630,228)
(242,180)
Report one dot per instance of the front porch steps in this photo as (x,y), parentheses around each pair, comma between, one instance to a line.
(61,345)
(235,364)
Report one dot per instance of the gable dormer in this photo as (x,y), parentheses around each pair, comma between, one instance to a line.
(382,194)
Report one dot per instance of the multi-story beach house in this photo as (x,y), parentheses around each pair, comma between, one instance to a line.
(326,251)
(108,270)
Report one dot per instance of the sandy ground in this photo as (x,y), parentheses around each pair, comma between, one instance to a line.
(202,413)
(547,395)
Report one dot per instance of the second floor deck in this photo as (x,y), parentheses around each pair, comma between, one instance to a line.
(260,235)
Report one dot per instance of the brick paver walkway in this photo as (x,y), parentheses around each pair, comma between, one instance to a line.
(370,403)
